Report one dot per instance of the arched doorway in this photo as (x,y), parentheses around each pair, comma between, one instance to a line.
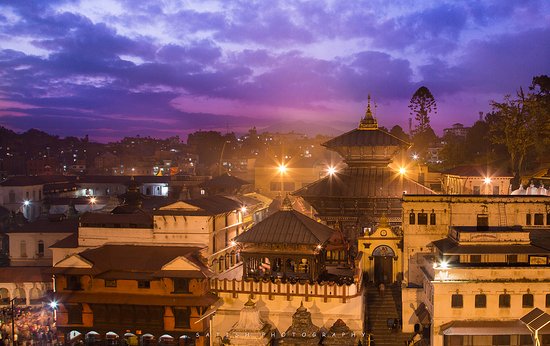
(383,264)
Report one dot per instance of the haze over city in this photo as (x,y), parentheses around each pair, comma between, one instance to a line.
(119,68)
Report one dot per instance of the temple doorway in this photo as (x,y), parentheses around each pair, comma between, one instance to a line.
(383,264)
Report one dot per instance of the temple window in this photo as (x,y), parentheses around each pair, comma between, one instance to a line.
(528,219)
(432,218)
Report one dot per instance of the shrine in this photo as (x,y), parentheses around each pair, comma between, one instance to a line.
(287,246)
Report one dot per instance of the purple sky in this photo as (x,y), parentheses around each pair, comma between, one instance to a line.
(113,68)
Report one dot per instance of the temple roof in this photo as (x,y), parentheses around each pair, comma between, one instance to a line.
(363,182)
(365,137)
(287,226)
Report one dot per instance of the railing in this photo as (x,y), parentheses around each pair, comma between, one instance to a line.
(306,289)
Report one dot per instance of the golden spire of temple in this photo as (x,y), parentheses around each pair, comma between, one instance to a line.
(368,122)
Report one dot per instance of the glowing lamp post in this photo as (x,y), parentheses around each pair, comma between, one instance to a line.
(282,170)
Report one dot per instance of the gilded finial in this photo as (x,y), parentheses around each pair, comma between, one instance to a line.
(368,122)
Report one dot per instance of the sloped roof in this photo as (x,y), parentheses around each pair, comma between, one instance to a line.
(287,227)
(138,218)
(215,204)
(25,274)
(361,137)
(67,242)
(226,181)
(363,182)
(139,258)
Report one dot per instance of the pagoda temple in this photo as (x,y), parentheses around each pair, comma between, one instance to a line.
(356,197)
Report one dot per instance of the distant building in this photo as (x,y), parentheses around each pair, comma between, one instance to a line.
(30,243)
(476,180)
(152,292)
(457,130)
(474,265)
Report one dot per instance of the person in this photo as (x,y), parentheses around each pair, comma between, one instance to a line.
(381,289)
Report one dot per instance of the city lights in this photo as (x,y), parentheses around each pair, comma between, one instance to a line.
(53,304)
(415,156)
(402,170)
(487,180)
(282,168)
(331,170)
(243,209)
(26,203)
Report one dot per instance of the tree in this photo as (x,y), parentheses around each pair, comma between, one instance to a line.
(398,132)
(513,124)
(421,105)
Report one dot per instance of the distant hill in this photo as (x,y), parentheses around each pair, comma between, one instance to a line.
(311,129)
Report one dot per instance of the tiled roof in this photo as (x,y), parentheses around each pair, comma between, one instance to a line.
(69,242)
(143,219)
(363,182)
(139,258)
(215,204)
(25,274)
(287,227)
(360,138)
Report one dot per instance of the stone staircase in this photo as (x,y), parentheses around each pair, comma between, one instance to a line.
(379,310)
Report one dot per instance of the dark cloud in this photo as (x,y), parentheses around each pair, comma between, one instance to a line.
(499,65)
(122,72)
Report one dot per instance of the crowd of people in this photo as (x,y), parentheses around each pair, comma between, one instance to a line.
(33,326)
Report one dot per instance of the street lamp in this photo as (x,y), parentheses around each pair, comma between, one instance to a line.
(12,321)
(282,170)
(331,170)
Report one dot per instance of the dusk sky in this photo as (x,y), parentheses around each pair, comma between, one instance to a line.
(112,68)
